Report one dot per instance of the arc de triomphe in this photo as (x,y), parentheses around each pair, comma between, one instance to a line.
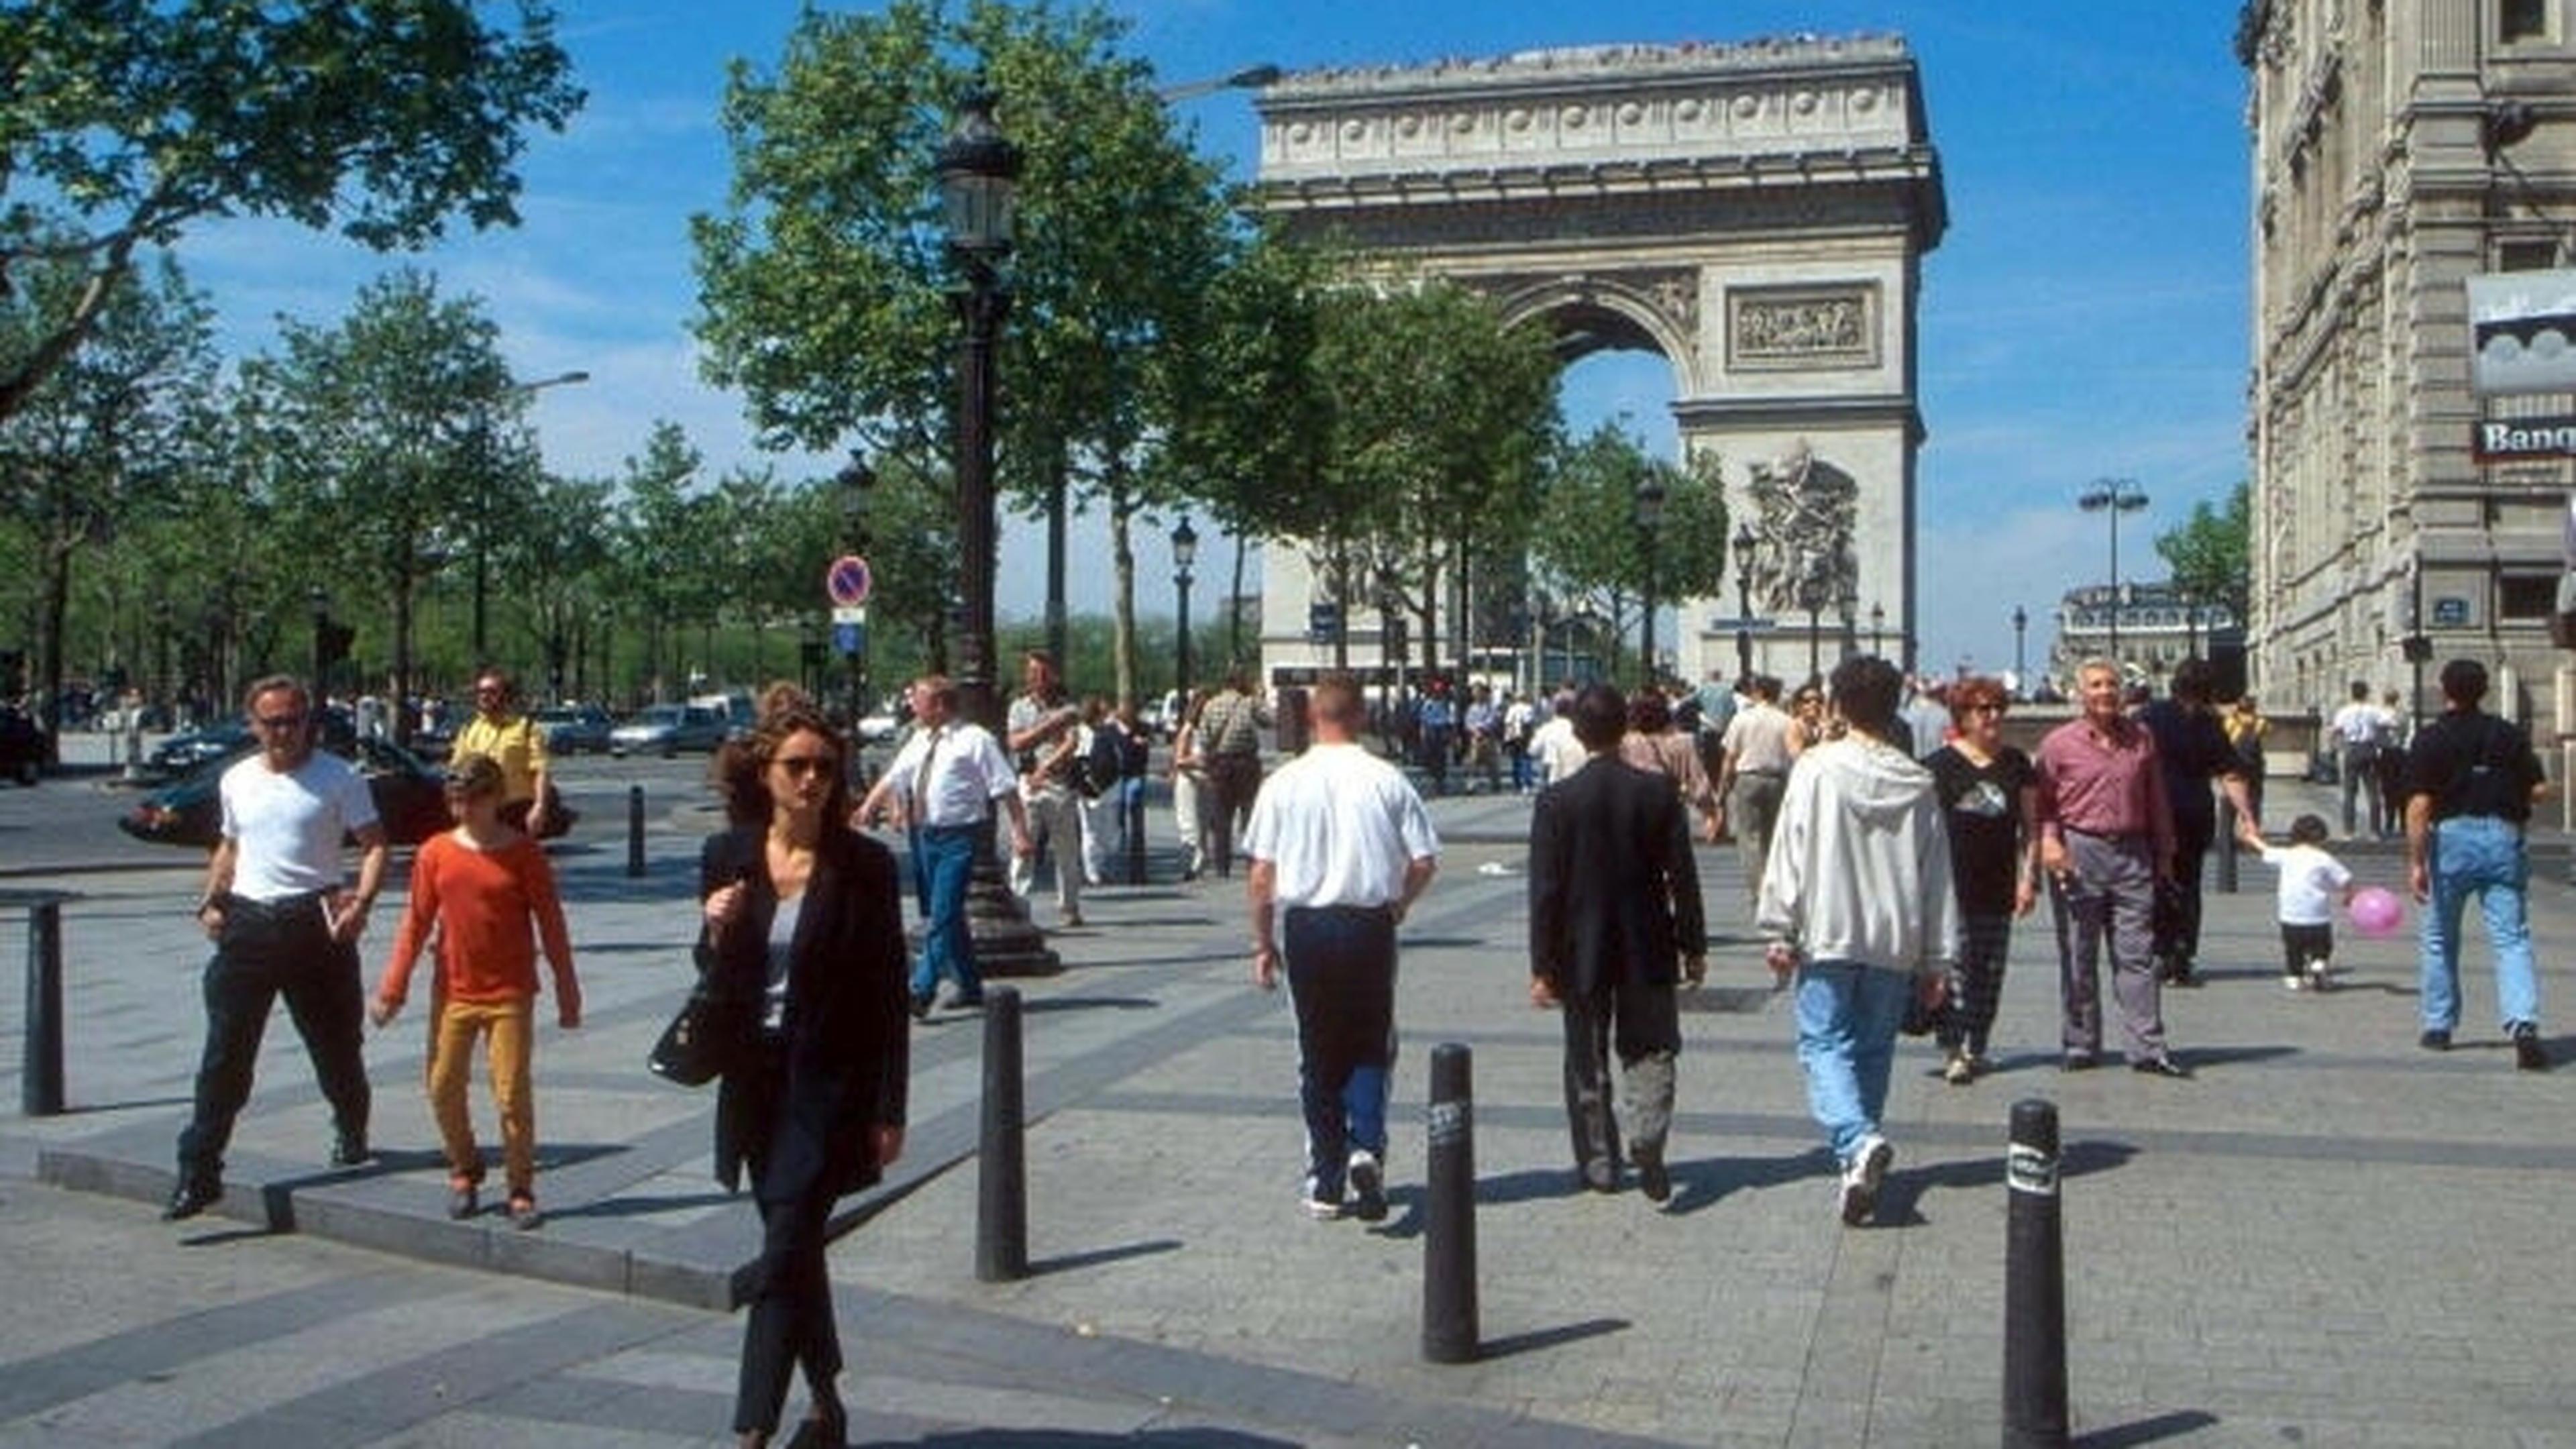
(1754,213)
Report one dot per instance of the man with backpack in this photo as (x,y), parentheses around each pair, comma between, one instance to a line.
(2471,779)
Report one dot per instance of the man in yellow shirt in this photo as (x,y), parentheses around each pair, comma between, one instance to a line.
(514,742)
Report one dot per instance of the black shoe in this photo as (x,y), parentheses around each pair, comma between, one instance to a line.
(2161,1066)
(1653,1178)
(921,1005)
(2078,1062)
(2434,1039)
(2528,1053)
(349,1149)
(191,1199)
(2184,977)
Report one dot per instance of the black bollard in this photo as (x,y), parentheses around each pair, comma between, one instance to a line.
(1131,821)
(1001,1183)
(2034,1285)
(2227,846)
(634,832)
(41,1076)
(1449,1331)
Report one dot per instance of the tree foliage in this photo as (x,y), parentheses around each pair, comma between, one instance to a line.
(129,120)
(2211,553)
(1591,552)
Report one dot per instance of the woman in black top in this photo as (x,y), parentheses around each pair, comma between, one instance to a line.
(804,935)
(1990,803)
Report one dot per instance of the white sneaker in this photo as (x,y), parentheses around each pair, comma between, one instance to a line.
(2293,982)
(1862,1178)
(2320,975)
(1958,1071)
(1368,1186)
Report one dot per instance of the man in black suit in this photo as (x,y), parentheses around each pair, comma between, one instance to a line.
(1614,909)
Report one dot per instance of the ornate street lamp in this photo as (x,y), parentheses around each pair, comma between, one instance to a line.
(1185,552)
(979,173)
(1743,546)
(1650,520)
(2021,625)
(2113,496)
(857,481)
(1877,627)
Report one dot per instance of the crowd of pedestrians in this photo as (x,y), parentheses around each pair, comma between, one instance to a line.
(1891,836)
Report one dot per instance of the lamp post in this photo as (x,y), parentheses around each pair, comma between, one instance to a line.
(2113,496)
(979,172)
(483,501)
(1650,519)
(1743,543)
(856,481)
(1877,626)
(1185,552)
(2021,625)
(321,603)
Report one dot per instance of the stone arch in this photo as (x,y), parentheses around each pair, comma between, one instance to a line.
(1754,213)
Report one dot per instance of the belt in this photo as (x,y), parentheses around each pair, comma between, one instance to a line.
(1362,912)
(278,908)
(2113,835)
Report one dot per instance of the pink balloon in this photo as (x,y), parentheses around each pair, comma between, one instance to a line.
(2376,912)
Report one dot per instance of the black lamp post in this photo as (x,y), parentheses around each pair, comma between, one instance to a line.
(979,173)
(2021,625)
(1743,546)
(856,481)
(1185,552)
(2113,496)
(321,603)
(1877,627)
(1650,519)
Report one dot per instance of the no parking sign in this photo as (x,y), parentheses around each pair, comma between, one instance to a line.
(847,580)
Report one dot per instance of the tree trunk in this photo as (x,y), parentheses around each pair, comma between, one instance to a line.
(1233,615)
(1122,560)
(56,594)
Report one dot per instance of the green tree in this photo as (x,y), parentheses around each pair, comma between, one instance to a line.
(2210,554)
(826,294)
(659,539)
(386,423)
(106,438)
(129,120)
(1589,550)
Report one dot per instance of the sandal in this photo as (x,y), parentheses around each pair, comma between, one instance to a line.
(461,1198)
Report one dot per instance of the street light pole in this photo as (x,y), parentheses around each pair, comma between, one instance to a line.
(979,171)
(483,504)
(2113,496)
(2021,623)
(1185,552)
(1877,626)
(1650,518)
(321,625)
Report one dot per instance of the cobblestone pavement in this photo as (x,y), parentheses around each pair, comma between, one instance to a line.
(2328,1237)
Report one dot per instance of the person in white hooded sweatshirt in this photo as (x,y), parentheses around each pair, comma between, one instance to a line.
(1856,901)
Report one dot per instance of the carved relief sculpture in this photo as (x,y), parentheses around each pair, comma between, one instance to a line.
(1803,517)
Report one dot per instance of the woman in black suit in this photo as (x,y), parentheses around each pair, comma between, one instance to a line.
(803,931)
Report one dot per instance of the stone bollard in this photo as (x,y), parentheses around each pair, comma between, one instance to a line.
(1449,1328)
(1001,1182)
(2034,1284)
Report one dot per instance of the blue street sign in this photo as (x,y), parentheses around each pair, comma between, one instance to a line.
(848,639)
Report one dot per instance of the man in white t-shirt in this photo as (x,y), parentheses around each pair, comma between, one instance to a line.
(283,924)
(2357,729)
(1341,846)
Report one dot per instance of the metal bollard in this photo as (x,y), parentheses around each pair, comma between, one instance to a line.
(634,831)
(41,1075)
(1449,1329)
(1001,1182)
(2034,1285)
(2227,846)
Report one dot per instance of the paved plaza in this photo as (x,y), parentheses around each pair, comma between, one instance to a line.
(2328,1237)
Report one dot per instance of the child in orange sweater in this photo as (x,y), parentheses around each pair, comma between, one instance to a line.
(480,885)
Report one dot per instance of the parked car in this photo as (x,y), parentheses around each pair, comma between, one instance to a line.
(410,795)
(667,729)
(576,729)
(22,745)
(187,750)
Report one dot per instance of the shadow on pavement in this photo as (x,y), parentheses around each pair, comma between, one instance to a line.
(1542,1338)
(1074,1262)
(2148,1431)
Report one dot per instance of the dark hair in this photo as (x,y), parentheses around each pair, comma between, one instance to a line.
(1649,713)
(785,711)
(2193,682)
(2464,681)
(1979,689)
(1866,688)
(1600,716)
(2308,830)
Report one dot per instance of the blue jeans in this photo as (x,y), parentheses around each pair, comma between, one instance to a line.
(1847,1019)
(1341,981)
(2482,856)
(943,861)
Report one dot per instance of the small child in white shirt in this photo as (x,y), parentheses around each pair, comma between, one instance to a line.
(2312,883)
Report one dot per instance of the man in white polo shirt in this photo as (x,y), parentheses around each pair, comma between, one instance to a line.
(1341,846)
(947,778)
(282,925)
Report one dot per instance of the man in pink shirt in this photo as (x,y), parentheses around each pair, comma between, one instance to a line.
(2105,835)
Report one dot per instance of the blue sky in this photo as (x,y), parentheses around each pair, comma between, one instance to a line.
(2085,315)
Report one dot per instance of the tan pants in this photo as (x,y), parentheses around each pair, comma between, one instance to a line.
(509,1025)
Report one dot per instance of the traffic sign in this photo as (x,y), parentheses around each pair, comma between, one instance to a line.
(847,580)
(1742,626)
(849,613)
(847,639)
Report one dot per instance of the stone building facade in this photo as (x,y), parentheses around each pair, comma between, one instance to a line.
(2401,147)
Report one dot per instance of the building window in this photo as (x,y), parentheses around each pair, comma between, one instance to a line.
(2526,256)
(2522,20)
(2526,596)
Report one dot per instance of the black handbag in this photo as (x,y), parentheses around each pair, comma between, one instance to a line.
(699,1044)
